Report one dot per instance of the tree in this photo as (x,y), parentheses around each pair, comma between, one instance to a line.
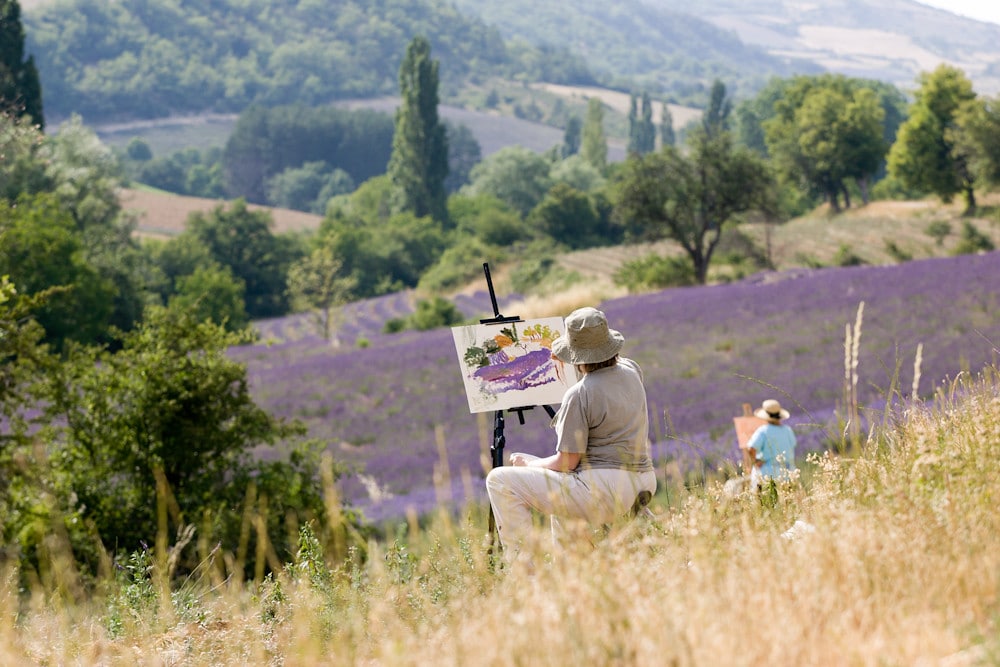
(977,138)
(241,240)
(569,217)
(464,153)
(169,421)
(716,117)
(571,137)
(211,293)
(594,144)
(641,130)
(42,251)
(316,283)
(419,162)
(824,131)
(515,175)
(20,89)
(689,198)
(667,136)
(925,155)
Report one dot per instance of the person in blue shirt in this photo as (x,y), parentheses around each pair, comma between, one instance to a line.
(772,445)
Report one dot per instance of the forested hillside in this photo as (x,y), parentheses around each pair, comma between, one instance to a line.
(136,59)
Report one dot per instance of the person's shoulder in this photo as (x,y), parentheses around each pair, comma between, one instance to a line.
(630,364)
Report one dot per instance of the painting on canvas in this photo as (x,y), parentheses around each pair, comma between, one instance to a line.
(510,365)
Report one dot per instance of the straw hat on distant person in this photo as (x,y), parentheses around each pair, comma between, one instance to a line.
(588,339)
(772,411)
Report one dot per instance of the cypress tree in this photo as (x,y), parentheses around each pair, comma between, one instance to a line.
(20,89)
(646,130)
(667,136)
(594,148)
(634,129)
(418,165)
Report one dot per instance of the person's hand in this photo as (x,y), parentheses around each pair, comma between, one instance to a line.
(518,460)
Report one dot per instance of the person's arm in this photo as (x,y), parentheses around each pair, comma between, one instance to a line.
(560,461)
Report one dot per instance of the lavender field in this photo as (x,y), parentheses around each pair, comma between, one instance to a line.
(396,413)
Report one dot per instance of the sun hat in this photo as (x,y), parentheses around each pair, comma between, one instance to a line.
(772,411)
(588,339)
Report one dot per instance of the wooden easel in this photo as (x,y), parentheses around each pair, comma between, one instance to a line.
(746,424)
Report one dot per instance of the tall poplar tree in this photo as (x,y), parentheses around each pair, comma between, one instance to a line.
(667,135)
(20,90)
(594,147)
(418,165)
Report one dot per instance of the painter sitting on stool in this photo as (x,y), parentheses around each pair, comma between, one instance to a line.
(772,445)
(602,462)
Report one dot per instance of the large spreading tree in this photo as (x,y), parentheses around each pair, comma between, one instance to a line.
(20,90)
(418,166)
(689,196)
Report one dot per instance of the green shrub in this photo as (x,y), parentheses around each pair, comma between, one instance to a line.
(972,241)
(938,230)
(846,257)
(655,272)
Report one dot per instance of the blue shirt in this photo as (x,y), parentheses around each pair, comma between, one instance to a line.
(774,444)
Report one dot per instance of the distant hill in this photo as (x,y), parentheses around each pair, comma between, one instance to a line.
(742,42)
(888,40)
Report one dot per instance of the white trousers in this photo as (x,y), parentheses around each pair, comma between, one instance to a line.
(593,496)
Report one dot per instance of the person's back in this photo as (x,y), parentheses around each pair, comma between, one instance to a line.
(773,443)
(776,444)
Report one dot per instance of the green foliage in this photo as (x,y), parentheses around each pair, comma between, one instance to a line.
(459,264)
(977,138)
(845,256)
(418,165)
(938,230)
(464,153)
(896,252)
(42,250)
(265,142)
(191,172)
(20,90)
(168,422)
(569,217)
(429,314)
(155,59)
(515,175)
(212,293)
(571,137)
(577,173)
(654,272)
(641,130)
(241,240)
(538,272)
(593,142)
(317,283)
(308,188)
(925,155)
(689,198)
(824,130)
(972,241)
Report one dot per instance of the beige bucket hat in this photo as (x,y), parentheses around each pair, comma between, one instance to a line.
(588,340)
(772,411)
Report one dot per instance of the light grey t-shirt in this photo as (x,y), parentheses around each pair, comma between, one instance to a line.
(604,418)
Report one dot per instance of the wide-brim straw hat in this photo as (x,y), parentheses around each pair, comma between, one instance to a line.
(771,410)
(588,338)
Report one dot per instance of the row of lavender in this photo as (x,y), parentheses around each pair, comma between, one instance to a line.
(396,410)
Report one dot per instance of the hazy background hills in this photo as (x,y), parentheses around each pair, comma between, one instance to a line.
(123,62)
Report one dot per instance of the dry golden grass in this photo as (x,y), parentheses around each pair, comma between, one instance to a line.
(163,215)
(901,567)
(818,237)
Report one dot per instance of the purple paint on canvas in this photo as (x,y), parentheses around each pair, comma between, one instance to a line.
(528,370)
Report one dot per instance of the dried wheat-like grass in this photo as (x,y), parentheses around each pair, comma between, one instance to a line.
(560,304)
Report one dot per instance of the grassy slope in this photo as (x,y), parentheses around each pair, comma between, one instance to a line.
(163,215)
(896,563)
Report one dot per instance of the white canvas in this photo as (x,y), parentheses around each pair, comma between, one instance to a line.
(509,365)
